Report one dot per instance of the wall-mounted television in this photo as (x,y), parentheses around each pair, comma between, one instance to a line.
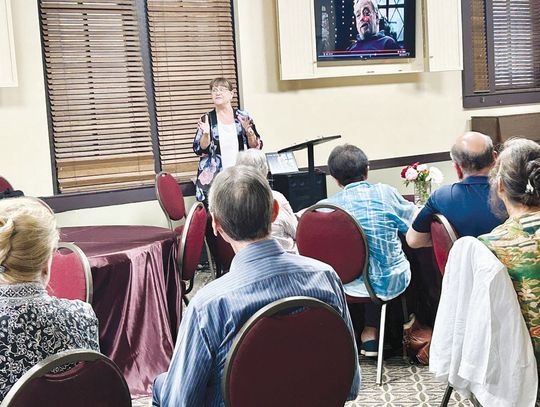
(365,29)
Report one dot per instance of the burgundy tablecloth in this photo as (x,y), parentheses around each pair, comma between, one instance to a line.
(136,294)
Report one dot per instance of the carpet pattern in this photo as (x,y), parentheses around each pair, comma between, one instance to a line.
(405,385)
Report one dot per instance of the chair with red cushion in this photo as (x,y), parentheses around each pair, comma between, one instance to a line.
(191,245)
(71,276)
(170,198)
(443,236)
(296,351)
(93,381)
(328,233)
(223,255)
(4,185)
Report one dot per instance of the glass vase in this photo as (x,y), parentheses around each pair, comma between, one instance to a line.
(422,190)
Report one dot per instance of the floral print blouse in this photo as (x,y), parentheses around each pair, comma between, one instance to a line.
(210,162)
(517,245)
(34,325)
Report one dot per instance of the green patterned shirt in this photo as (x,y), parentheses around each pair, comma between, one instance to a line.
(517,245)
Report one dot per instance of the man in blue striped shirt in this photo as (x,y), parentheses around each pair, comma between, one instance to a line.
(242,210)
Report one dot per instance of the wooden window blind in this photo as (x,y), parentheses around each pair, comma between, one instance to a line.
(96,92)
(191,42)
(504,41)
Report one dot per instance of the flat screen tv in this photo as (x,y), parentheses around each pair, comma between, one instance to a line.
(365,29)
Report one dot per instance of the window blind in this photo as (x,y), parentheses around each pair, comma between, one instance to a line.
(516,51)
(479,46)
(191,42)
(96,93)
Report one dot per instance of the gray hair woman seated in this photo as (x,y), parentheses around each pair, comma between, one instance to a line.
(515,178)
(284,226)
(34,325)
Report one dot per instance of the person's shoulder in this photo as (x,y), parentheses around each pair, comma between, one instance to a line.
(77,308)
(278,196)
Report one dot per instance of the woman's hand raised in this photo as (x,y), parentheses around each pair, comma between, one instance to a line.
(204,125)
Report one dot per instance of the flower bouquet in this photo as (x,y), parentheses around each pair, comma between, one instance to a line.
(422,177)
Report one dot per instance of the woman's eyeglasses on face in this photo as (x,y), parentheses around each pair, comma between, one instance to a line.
(220,89)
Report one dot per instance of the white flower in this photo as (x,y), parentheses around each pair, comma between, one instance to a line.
(435,175)
(421,167)
(411,174)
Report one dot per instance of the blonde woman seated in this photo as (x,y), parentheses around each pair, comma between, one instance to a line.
(34,325)
(515,178)
(284,226)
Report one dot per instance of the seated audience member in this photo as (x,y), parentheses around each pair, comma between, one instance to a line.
(242,210)
(466,203)
(382,212)
(34,325)
(516,180)
(284,226)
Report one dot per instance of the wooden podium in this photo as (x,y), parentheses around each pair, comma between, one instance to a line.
(303,188)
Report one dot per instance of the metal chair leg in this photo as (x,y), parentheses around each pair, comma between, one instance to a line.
(446,397)
(381,345)
(211,262)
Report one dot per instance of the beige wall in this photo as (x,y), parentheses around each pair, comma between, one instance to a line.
(387,116)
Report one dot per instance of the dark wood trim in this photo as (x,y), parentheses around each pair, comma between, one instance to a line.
(69,202)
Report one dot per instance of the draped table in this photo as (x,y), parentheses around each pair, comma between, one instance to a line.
(136,296)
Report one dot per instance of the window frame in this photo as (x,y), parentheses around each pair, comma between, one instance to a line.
(80,200)
(493,97)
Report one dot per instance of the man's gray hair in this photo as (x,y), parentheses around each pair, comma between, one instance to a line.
(253,157)
(373,3)
(473,161)
(241,199)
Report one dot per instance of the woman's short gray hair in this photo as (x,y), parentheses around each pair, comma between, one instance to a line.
(253,158)
(241,200)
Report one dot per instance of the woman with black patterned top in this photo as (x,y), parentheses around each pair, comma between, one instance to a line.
(34,325)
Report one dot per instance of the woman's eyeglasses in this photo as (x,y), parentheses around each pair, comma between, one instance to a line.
(220,89)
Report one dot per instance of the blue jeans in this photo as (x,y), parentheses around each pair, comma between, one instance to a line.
(156,389)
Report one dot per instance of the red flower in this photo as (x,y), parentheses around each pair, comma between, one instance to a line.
(404,170)
(416,164)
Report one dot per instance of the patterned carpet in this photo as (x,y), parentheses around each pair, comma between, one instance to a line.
(404,385)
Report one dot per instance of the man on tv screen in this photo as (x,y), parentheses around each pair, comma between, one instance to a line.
(369,37)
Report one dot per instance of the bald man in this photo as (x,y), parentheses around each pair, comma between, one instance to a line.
(466,203)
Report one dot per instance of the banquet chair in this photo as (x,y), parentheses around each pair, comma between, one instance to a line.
(223,255)
(328,233)
(71,276)
(94,381)
(443,236)
(296,351)
(170,198)
(191,246)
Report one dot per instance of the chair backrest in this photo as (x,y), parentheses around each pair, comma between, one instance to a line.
(296,351)
(224,253)
(328,233)
(192,241)
(4,185)
(71,276)
(443,236)
(170,197)
(94,381)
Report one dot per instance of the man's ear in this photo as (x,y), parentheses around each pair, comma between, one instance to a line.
(500,186)
(459,170)
(216,226)
(275,210)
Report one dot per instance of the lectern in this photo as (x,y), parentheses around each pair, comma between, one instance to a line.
(303,188)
